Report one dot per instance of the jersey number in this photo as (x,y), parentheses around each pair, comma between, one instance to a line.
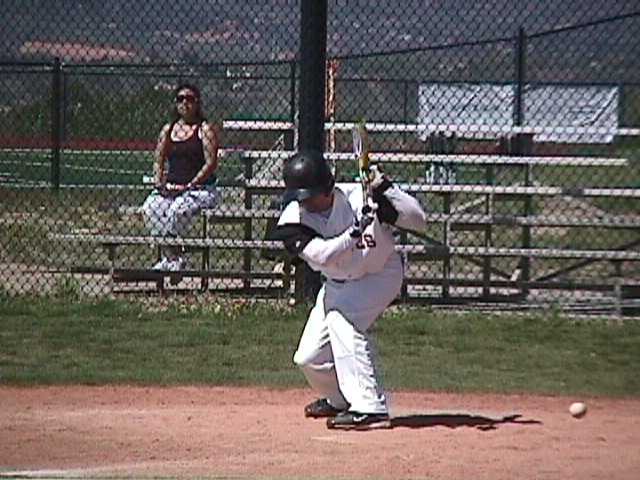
(366,240)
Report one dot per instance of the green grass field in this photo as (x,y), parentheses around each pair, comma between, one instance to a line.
(216,341)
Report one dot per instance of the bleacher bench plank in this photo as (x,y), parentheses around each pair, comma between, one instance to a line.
(612,221)
(432,127)
(276,185)
(520,190)
(169,241)
(217,213)
(436,251)
(609,221)
(444,251)
(505,160)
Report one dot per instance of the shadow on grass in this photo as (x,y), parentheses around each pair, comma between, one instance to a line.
(459,420)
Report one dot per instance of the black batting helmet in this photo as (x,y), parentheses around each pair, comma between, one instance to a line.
(307,174)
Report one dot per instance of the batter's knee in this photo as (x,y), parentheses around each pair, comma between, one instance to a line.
(336,320)
(301,359)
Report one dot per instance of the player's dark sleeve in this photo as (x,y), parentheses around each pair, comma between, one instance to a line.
(386,212)
(294,236)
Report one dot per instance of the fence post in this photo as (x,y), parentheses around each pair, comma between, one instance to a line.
(622,110)
(290,135)
(313,55)
(405,110)
(56,98)
(520,76)
(64,102)
(520,147)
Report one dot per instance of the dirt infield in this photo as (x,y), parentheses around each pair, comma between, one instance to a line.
(258,433)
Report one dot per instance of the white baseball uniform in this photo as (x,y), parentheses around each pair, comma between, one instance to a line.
(363,276)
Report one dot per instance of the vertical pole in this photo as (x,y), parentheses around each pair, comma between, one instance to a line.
(292,94)
(622,111)
(488,236)
(330,102)
(56,96)
(404,289)
(405,110)
(518,118)
(290,144)
(446,262)
(248,228)
(206,255)
(621,117)
(64,102)
(313,56)
(518,114)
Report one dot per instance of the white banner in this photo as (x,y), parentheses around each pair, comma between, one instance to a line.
(566,108)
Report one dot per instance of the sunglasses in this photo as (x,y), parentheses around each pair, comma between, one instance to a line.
(188,98)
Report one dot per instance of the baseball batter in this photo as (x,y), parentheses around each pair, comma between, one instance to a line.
(325,226)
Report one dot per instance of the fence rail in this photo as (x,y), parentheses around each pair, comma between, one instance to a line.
(520,138)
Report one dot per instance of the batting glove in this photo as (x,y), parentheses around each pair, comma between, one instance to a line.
(362,220)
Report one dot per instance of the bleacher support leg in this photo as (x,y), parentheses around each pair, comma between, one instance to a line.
(206,256)
(404,292)
(488,231)
(248,204)
(160,281)
(111,253)
(446,262)
(526,234)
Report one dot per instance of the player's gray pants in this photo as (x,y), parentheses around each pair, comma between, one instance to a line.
(166,216)
(335,351)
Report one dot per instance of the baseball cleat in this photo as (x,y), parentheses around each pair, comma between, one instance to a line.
(321,408)
(359,421)
(161,265)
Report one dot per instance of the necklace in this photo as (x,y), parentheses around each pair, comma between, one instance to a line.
(183,131)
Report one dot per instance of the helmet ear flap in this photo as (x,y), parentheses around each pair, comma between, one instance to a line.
(330,186)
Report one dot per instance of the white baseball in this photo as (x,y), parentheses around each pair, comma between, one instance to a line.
(578,409)
(292,302)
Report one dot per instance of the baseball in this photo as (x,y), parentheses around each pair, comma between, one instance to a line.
(578,409)
(292,302)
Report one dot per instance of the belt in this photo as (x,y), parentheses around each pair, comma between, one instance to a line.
(335,280)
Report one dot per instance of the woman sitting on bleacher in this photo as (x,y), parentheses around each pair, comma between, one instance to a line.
(186,161)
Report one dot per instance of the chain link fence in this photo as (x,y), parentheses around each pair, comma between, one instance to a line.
(516,124)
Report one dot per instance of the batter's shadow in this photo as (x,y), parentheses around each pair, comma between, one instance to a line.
(459,420)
